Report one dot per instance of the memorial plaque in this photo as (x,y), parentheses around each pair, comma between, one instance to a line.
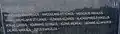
(78,21)
(64,17)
